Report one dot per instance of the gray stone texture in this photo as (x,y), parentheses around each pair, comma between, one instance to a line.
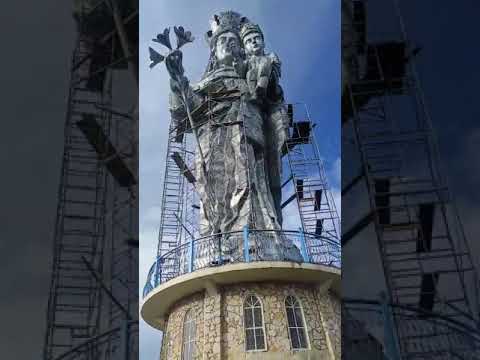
(219,323)
(237,111)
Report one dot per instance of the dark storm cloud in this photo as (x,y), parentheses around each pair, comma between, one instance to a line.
(448,68)
(37,40)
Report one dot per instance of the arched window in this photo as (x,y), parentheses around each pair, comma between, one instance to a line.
(254,324)
(189,329)
(296,323)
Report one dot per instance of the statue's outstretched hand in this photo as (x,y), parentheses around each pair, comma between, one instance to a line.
(173,61)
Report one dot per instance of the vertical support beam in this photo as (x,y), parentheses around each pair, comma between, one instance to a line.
(191,255)
(303,245)
(158,273)
(391,346)
(124,340)
(382,200)
(219,246)
(246,246)
(122,35)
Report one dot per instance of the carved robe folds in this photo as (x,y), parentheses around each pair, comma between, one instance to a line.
(228,147)
(236,188)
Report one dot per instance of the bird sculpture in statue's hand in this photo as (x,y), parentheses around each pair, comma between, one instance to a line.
(155,58)
(164,38)
(183,37)
(178,82)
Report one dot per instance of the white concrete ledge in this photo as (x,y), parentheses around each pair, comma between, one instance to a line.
(157,303)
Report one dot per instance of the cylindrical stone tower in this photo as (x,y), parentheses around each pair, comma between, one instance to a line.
(257,310)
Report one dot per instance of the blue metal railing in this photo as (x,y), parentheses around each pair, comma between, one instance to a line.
(243,246)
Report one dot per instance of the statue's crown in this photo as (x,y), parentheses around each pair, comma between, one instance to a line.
(248,28)
(224,22)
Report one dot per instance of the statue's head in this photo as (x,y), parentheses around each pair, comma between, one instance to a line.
(224,39)
(227,48)
(252,39)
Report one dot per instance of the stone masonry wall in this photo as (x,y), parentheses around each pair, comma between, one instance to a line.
(330,310)
(219,328)
(213,327)
(173,336)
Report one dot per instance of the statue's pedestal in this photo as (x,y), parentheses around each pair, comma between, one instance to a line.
(215,298)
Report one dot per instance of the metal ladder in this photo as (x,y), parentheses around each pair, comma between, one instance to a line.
(170,230)
(315,201)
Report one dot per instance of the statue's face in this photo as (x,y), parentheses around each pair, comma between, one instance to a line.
(253,44)
(227,48)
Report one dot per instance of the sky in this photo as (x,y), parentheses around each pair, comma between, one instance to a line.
(306,38)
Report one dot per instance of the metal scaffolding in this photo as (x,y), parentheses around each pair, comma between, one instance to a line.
(430,279)
(182,248)
(93,299)
(306,170)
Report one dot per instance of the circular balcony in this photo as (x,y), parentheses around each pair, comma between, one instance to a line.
(244,247)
